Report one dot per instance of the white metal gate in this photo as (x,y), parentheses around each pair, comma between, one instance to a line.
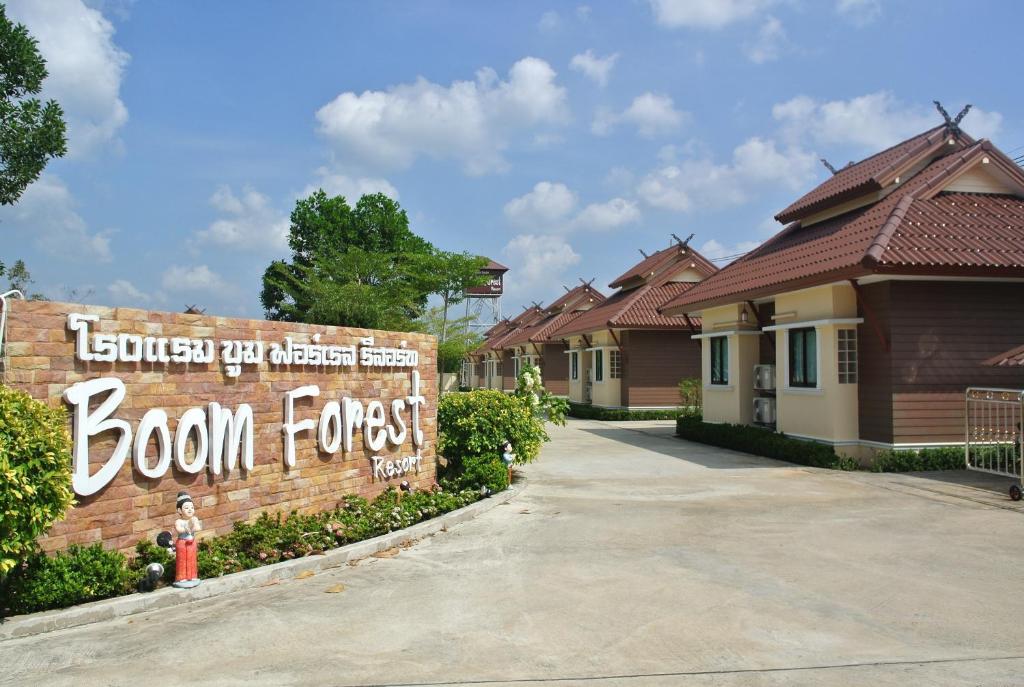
(992,433)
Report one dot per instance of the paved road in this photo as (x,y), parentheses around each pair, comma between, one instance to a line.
(632,559)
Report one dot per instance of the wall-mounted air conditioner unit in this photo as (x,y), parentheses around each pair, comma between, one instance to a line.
(764,377)
(764,411)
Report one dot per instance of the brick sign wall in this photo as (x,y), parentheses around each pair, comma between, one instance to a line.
(263,365)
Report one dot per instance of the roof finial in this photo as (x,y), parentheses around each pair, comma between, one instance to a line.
(829,166)
(682,243)
(567,289)
(952,123)
(587,283)
(643,253)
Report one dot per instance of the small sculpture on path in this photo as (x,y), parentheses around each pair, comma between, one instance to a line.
(186,565)
(508,458)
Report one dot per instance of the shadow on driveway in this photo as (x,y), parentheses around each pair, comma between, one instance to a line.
(658,440)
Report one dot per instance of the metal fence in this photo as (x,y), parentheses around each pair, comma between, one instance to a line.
(992,432)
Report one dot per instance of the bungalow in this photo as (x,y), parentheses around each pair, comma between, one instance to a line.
(498,364)
(863,321)
(534,344)
(622,352)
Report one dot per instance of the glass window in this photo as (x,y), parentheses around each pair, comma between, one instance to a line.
(599,365)
(497,368)
(803,357)
(720,360)
(515,367)
(847,339)
(615,364)
(574,365)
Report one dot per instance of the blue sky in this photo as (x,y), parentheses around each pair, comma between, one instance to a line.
(556,138)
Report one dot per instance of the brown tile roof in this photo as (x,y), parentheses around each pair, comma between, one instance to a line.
(1011,358)
(870,174)
(521,321)
(651,264)
(538,330)
(493,266)
(913,230)
(637,308)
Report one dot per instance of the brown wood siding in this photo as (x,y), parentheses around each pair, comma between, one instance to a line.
(874,374)
(941,333)
(554,368)
(653,363)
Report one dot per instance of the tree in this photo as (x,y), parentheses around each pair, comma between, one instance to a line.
(19,278)
(448,275)
(31,133)
(461,340)
(350,266)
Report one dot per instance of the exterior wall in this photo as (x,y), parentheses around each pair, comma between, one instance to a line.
(875,365)
(554,368)
(732,402)
(41,361)
(653,364)
(830,411)
(508,372)
(578,387)
(940,334)
(606,393)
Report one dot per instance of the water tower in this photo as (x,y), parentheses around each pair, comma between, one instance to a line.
(483,303)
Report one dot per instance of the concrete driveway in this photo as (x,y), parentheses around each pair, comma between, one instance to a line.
(631,558)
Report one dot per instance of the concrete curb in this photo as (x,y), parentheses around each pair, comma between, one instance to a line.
(107,609)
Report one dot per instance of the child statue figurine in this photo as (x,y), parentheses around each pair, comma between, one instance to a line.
(186,567)
(508,458)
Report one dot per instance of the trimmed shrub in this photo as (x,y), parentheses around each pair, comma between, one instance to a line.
(88,574)
(473,472)
(763,442)
(35,473)
(70,577)
(909,460)
(586,411)
(479,422)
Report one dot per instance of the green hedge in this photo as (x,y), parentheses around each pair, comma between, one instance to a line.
(35,473)
(586,411)
(763,442)
(908,460)
(474,472)
(83,574)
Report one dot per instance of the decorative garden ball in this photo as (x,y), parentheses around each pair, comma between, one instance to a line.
(186,566)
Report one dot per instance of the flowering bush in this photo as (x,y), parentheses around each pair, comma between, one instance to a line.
(545,405)
(478,423)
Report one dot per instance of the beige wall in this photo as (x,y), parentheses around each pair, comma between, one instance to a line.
(732,402)
(828,412)
(576,386)
(607,393)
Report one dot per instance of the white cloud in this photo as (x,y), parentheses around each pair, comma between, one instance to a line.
(46,214)
(85,68)
(756,163)
(249,222)
(469,121)
(198,278)
(595,68)
(549,21)
(859,12)
(615,213)
(704,14)
(550,207)
(770,41)
(548,203)
(713,250)
(583,12)
(125,293)
(871,122)
(352,188)
(538,259)
(652,114)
